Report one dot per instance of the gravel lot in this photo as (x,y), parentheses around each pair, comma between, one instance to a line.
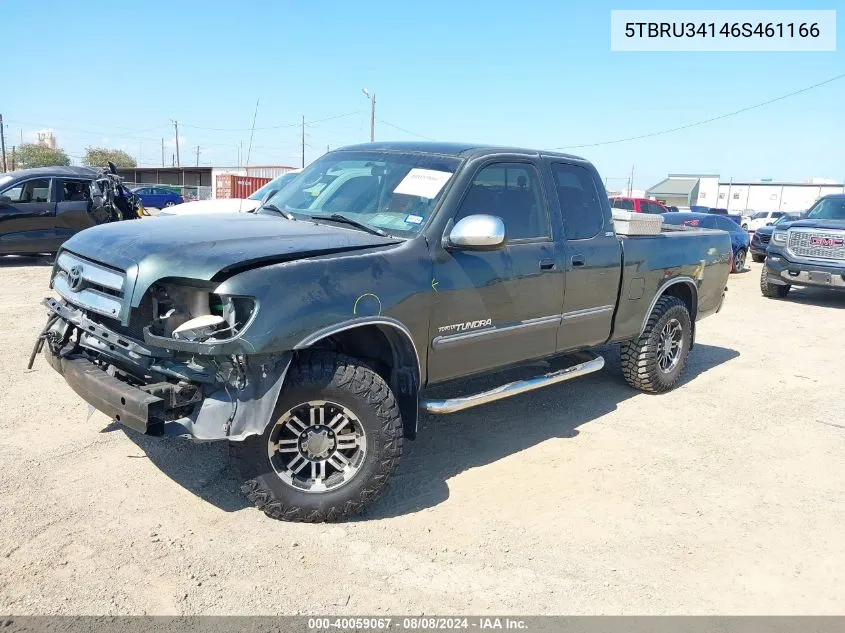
(724,496)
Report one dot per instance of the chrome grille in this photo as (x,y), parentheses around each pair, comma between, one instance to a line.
(817,244)
(90,285)
(764,237)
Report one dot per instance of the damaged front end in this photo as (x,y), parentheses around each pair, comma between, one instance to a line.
(173,365)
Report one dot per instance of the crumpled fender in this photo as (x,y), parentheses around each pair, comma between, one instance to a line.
(236,414)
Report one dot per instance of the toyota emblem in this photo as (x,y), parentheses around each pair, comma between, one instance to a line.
(75,278)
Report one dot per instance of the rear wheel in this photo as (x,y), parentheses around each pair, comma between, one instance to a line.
(739,261)
(770,290)
(335,440)
(759,259)
(655,360)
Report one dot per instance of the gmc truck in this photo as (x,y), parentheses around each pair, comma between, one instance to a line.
(308,334)
(807,252)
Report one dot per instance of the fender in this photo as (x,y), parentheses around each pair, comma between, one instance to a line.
(689,281)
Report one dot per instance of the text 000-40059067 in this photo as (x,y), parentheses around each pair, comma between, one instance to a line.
(712,30)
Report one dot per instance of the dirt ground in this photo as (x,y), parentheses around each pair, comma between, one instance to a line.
(724,496)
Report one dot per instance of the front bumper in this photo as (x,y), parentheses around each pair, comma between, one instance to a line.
(211,410)
(782,272)
(122,402)
(758,247)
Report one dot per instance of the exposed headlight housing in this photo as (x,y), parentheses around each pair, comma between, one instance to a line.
(185,311)
(779,237)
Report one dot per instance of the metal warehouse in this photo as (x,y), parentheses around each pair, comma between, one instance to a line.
(684,190)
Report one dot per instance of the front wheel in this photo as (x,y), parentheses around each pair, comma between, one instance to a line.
(758,259)
(335,440)
(655,360)
(169,203)
(770,290)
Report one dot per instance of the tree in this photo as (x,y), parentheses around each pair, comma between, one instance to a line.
(100,157)
(31,155)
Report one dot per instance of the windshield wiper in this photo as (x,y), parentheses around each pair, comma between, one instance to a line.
(338,217)
(273,207)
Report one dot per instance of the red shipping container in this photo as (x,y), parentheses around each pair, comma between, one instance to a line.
(232,186)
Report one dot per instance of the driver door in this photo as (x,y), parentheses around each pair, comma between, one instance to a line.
(500,307)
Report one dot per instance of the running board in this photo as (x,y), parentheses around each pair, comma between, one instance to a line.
(513,388)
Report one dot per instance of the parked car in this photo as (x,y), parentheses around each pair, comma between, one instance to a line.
(739,237)
(807,252)
(158,197)
(761,237)
(637,205)
(40,208)
(232,205)
(672,209)
(761,219)
(309,337)
(717,211)
(735,218)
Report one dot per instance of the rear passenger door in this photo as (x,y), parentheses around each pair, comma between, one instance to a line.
(593,258)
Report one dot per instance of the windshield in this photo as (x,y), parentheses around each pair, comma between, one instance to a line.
(828,209)
(276,183)
(760,215)
(791,217)
(396,192)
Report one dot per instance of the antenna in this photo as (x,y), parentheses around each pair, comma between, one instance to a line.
(249,148)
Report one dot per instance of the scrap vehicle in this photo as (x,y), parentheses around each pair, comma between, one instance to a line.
(807,252)
(40,208)
(309,334)
(761,237)
(739,236)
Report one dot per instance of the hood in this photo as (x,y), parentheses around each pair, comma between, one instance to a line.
(197,247)
(220,205)
(835,225)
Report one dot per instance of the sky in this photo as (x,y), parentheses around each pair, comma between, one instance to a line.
(535,73)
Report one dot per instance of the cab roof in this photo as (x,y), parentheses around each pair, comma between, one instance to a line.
(460,150)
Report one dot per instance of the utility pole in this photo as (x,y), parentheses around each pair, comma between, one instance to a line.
(198,155)
(13,158)
(176,129)
(172,160)
(303,140)
(631,185)
(3,142)
(372,98)
(162,152)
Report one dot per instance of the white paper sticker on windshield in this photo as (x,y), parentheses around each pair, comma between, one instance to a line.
(425,183)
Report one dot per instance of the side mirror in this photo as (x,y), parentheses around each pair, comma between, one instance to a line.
(5,201)
(477,233)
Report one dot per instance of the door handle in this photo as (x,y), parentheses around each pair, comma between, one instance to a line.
(578,260)
(547,264)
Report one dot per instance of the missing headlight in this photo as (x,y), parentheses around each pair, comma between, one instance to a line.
(194,313)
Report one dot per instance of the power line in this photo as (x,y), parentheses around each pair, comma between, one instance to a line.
(272,127)
(710,120)
(401,129)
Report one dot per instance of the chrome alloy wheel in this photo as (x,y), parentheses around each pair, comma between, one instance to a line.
(317,446)
(739,260)
(670,345)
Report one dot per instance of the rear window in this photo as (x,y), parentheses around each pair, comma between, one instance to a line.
(622,203)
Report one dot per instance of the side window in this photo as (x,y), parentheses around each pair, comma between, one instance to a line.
(29,191)
(579,201)
(726,224)
(512,192)
(74,190)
